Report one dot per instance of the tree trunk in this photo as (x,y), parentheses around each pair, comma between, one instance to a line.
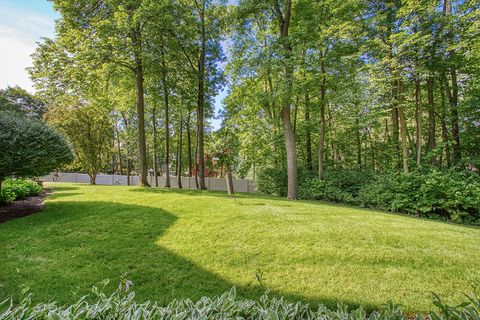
(308,134)
(189,145)
(154,145)
(359,142)
(201,101)
(321,145)
(93,178)
(291,153)
(284,24)
(142,147)
(431,118)
(453,94)
(119,151)
(179,153)
(457,154)
(419,117)
(229,180)
(167,124)
(443,124)
(395,122)
(403,127)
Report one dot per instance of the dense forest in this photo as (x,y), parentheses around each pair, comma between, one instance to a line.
(314,88)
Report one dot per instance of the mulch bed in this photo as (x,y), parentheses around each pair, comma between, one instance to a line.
(24,207)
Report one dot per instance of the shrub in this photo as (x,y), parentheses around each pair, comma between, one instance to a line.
(29,147)
(122,305)
(7,196)
(14,189)
(447,195)
(273,181)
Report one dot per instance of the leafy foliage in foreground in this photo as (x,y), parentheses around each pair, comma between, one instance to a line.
(446,195)
(14,189)
(122,305)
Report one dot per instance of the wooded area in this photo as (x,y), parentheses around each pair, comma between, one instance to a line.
(313,86)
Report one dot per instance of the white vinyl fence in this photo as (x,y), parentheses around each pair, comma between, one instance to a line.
(217,184)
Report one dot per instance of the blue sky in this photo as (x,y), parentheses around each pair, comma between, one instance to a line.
(22,24)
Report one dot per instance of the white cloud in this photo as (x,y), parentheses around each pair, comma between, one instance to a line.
(18,36)
(14,58)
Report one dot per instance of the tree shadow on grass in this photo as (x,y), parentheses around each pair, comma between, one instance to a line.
(58,187)
(60,254)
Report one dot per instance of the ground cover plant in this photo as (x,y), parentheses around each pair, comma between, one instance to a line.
(189,244)
(122,305)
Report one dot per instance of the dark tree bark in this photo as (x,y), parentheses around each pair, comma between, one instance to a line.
(453,93)
(443,123)
(308,134)
(127,144)
(403,127)
(167,124)
(395,123)
(419,117)
(119,151)
(431,117)
(201,100)
(189,146)
(359,142)
(321,145)
(453,98)
(179,152)
(154,145)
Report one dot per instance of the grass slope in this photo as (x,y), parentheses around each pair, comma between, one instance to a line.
(177,244)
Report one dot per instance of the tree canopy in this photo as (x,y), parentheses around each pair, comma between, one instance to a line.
(313,87)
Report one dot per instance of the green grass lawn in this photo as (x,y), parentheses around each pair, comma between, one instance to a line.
(176,244)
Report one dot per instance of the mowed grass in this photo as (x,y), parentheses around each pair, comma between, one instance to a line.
(186,244)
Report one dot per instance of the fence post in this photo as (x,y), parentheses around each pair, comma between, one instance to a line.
(113,178)
(76,179)
(247,185)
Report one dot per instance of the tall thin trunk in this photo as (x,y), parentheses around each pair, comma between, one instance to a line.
(127,144)
(179,152)
(139,89)
(431,117)
(295,112)
(395,122)
(443,124)
(154,145)
(290,145)
(359,141)
(167,124)
(308,134)
(119,151)
(189,146)
(201,99)
(419,117)
(453,94)
(453,97)
(403,127)
(321,144)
